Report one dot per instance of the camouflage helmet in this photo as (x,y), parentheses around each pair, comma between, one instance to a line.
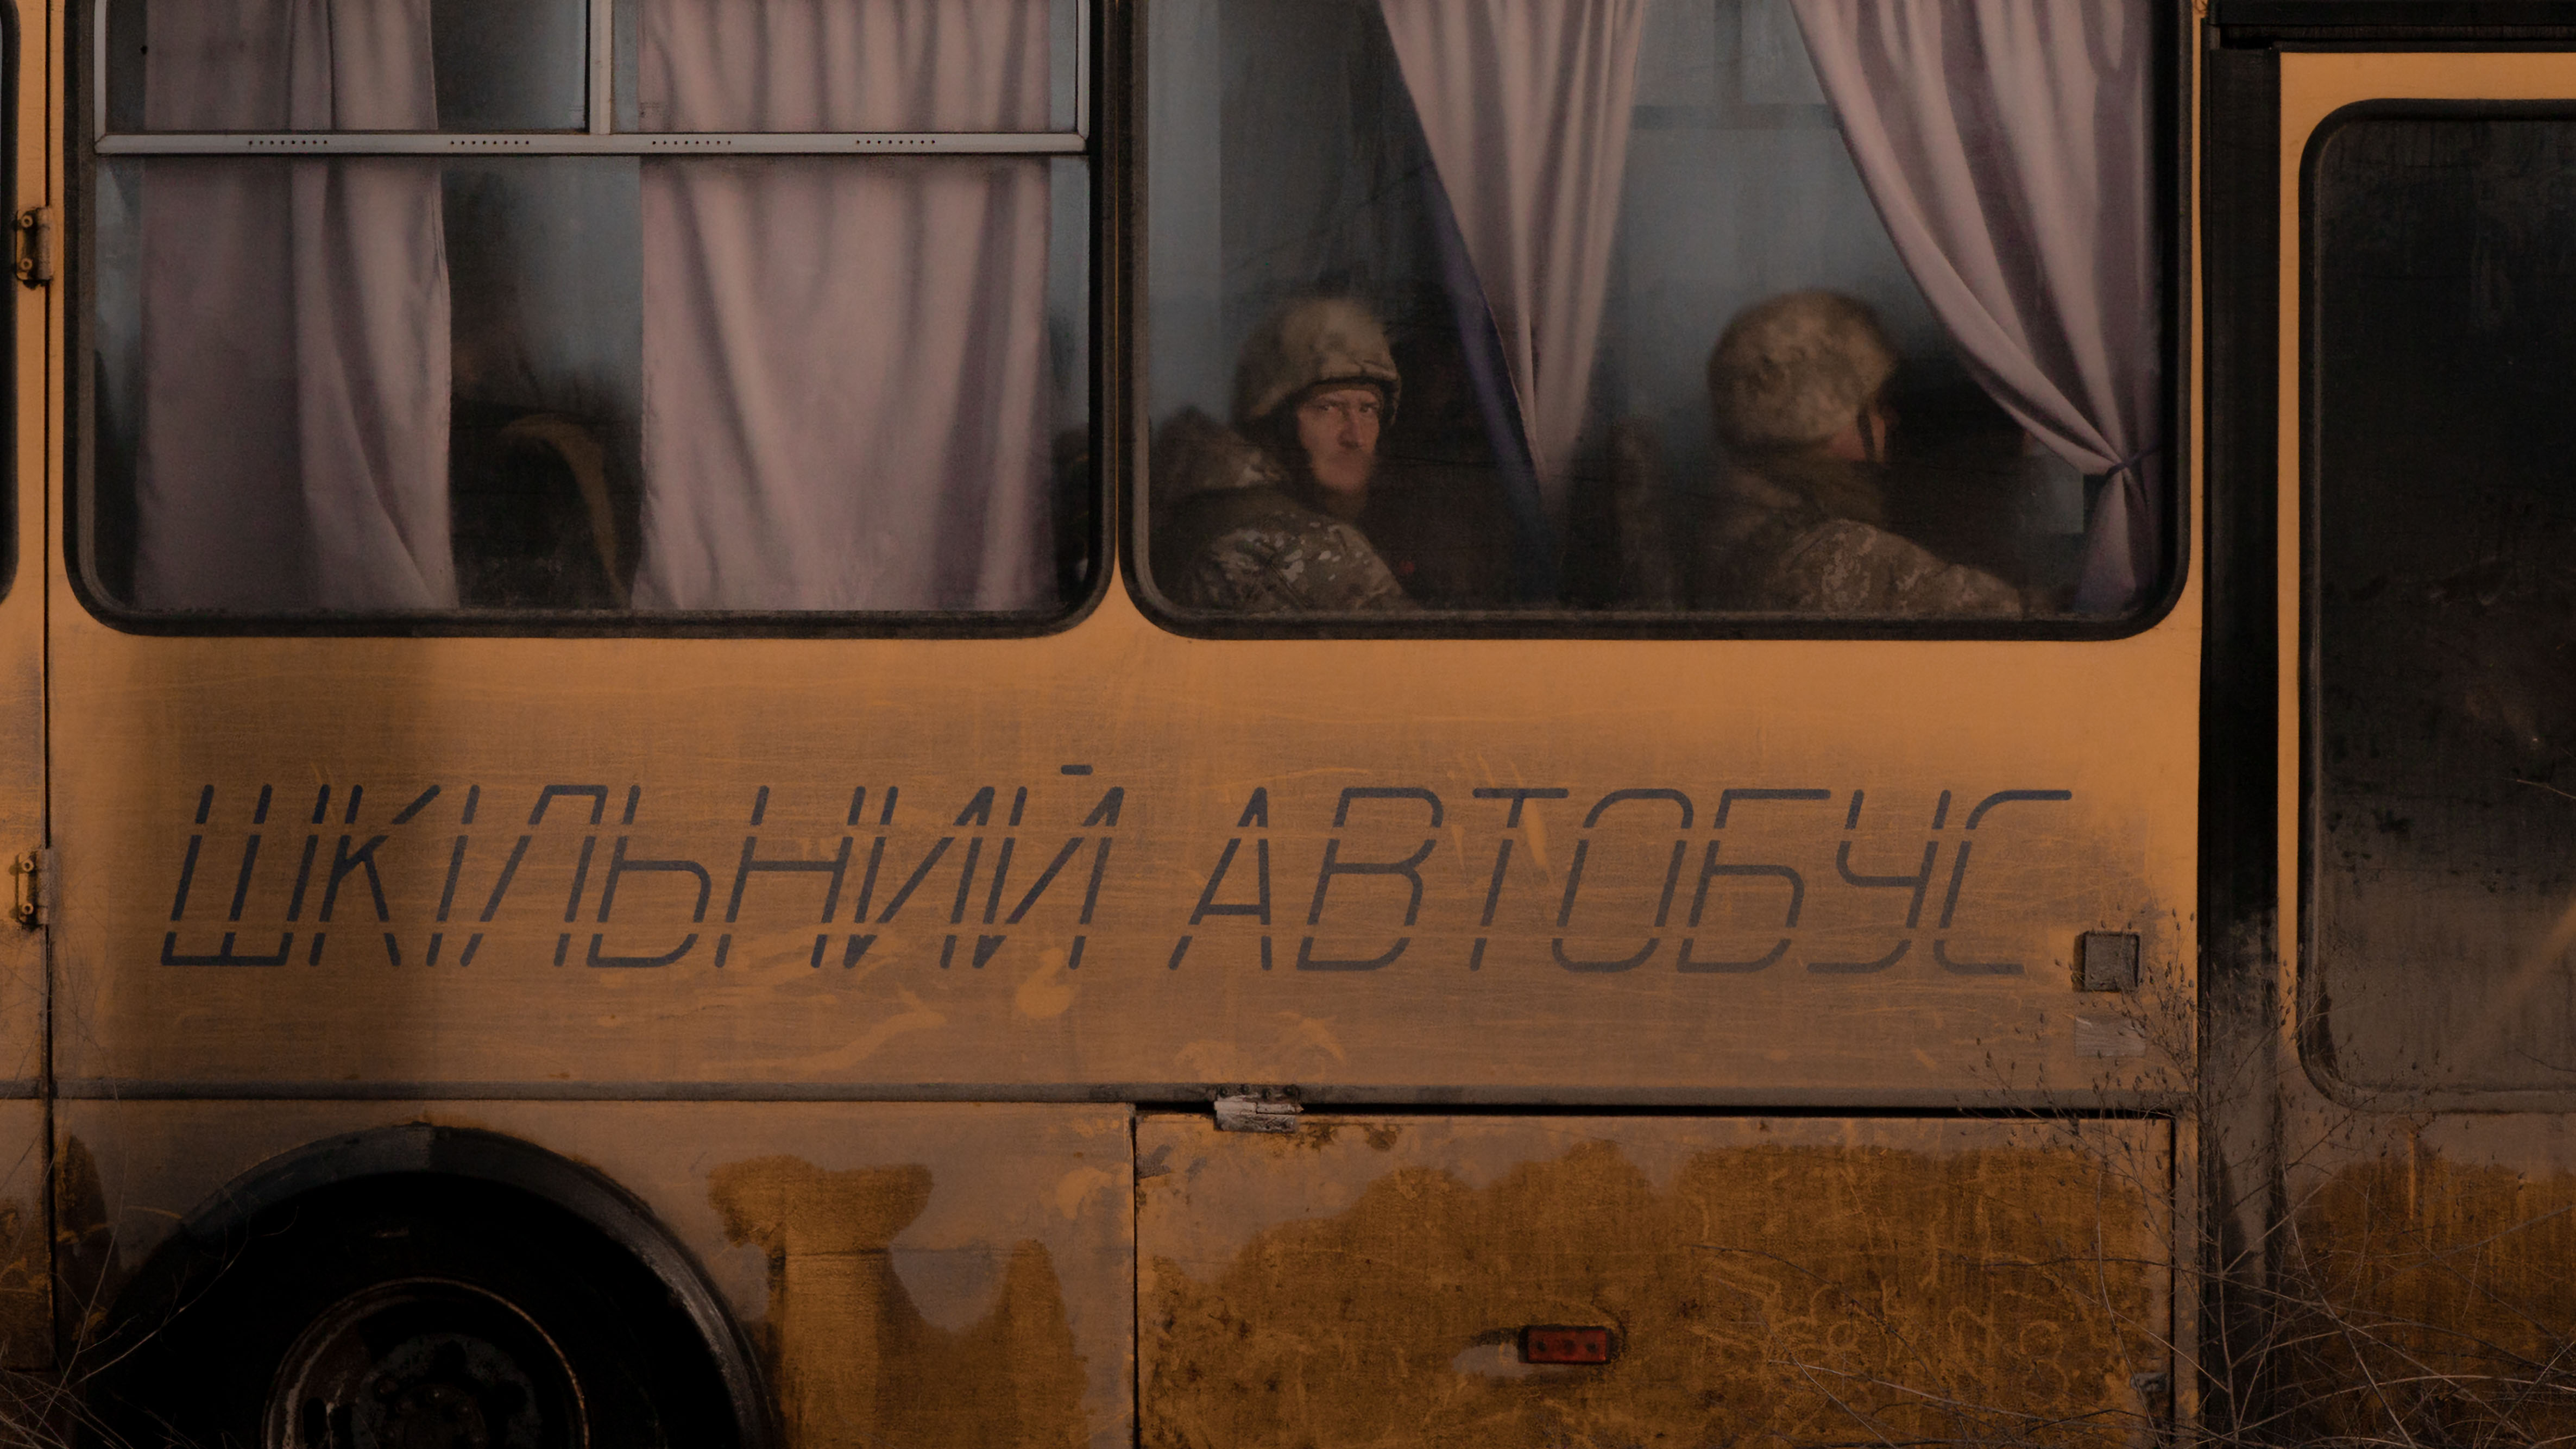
(1793,370)
(1308,344)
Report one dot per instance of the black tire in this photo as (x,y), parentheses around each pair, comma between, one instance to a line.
(410,1308)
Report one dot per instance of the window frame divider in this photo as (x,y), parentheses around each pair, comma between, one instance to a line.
(603,67)
(586,143)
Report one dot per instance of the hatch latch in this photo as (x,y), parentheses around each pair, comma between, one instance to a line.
(1257,1109)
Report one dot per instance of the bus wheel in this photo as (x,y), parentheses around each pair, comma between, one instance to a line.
(425,1361)
(411,1310)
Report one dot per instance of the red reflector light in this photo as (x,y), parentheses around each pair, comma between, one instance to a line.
(1554,1344)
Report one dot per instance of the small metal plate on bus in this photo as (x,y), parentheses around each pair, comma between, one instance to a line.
(2107,961)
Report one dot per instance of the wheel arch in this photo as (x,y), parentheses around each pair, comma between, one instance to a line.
(481,1157)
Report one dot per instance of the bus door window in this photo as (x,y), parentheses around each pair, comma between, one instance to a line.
(2441,839)
(616,370)
(1794,308)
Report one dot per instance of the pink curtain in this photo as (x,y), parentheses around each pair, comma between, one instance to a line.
(295,319)
(2005,143)
(1526,105)
(844,359)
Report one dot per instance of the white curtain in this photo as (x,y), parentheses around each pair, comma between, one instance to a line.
(844,360)
(2005,143)
(295,319)
(1526,105)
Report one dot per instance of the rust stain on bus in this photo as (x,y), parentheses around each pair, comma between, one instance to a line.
(1773,1294)
(2436,1295)
(854,1361)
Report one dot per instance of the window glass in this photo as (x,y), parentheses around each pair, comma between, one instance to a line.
(586,373)
(2443,711)
(403,385)
(386,65)
(848,66)
(1406,357)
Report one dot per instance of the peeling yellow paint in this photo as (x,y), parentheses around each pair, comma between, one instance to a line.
(854,1360)
(914,1017)
(1765,1294)
(1298,1048)
(1076,1187)
(1046,992)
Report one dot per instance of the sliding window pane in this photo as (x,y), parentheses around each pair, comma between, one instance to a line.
(847,65)
(382,65)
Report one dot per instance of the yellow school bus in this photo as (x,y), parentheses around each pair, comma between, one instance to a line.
(1301,722)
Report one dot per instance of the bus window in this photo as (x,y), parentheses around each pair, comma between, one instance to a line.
(2442,746)
(782,363)
(1747,309)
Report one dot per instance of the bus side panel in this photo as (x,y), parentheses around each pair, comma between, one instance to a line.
(1547,870)
(1605,1281)
(949,1273)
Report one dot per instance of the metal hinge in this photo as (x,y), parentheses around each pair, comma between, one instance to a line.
(1258,1109)
(35,247)
(25,870)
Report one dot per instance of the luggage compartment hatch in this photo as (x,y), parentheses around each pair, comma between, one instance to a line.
(1600,1281)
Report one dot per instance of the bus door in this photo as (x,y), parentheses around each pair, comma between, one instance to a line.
(2393,737)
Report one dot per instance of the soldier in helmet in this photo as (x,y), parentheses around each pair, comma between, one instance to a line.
(1259,518)
(1800,525)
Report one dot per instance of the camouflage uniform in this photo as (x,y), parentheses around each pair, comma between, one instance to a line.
(1798,530)
(1231,537)
(1802,534)
(1230,532)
